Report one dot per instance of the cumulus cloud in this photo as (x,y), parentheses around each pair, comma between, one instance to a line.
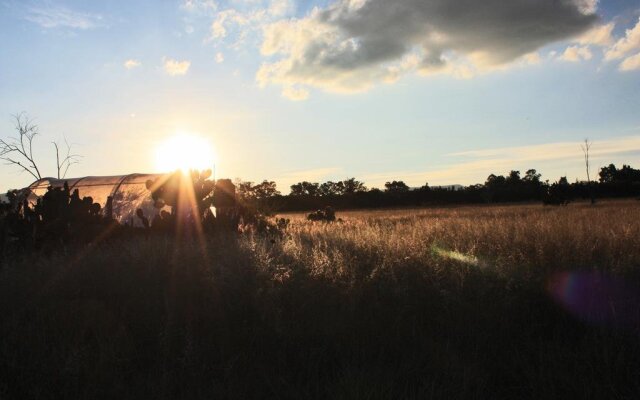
(600,35)
(625,45)
(130,64)
(575,54)
(354,44)
(175,67)
(630,63)
(247,17)
(62,17)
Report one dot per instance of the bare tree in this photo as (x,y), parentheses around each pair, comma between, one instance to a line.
(69,159)
(19,150)
(585,150)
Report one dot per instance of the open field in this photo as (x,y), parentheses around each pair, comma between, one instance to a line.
(468,302)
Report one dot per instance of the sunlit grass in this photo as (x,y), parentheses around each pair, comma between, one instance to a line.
(532,239)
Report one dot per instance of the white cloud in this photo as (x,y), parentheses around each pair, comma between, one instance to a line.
(130,64)
(600,35)
(175,67)
(62,17)
(631,63)
(625,45)
(351,45)
(219,58)
(575,54)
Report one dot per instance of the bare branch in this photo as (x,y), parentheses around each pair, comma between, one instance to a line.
(68,160)
(585,150)
(57,158)
(19,151)
(9,161)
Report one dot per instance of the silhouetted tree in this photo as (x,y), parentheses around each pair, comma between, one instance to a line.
(244,190)
(330,188)
(513,178)
(351,186)
(626,174)
(396,187)
(532,176)
(265,190)
(558,193)
(305,188)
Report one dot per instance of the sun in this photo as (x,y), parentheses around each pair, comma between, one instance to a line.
(184,152)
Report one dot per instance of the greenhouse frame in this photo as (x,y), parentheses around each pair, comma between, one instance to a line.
(129,193)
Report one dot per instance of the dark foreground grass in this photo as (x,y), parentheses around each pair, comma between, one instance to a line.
(247,318)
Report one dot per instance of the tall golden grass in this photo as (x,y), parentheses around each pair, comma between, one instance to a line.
(533,240)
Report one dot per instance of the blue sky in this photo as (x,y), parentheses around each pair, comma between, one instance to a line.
(421,90)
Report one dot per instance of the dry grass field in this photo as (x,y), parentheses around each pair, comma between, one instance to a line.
(518,301)
(531,239)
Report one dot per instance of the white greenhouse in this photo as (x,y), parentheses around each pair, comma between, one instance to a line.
(129,193)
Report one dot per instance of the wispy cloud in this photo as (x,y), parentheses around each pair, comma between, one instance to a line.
(175,67)
(558,150)
(130,64)
(50,17)
(475,165)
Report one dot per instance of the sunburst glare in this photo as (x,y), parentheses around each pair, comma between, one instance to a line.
(184,152)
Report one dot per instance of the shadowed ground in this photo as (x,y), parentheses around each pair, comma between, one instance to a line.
(471,302)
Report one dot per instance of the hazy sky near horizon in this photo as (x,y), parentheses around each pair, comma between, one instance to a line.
(438,91)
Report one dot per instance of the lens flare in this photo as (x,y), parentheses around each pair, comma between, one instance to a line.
(596,297)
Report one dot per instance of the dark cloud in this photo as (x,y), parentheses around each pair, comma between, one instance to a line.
(354,42)
(503,29)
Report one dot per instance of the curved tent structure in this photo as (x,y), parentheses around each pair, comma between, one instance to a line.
(129,193)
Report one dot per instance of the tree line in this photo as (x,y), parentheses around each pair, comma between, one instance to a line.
(512,187)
